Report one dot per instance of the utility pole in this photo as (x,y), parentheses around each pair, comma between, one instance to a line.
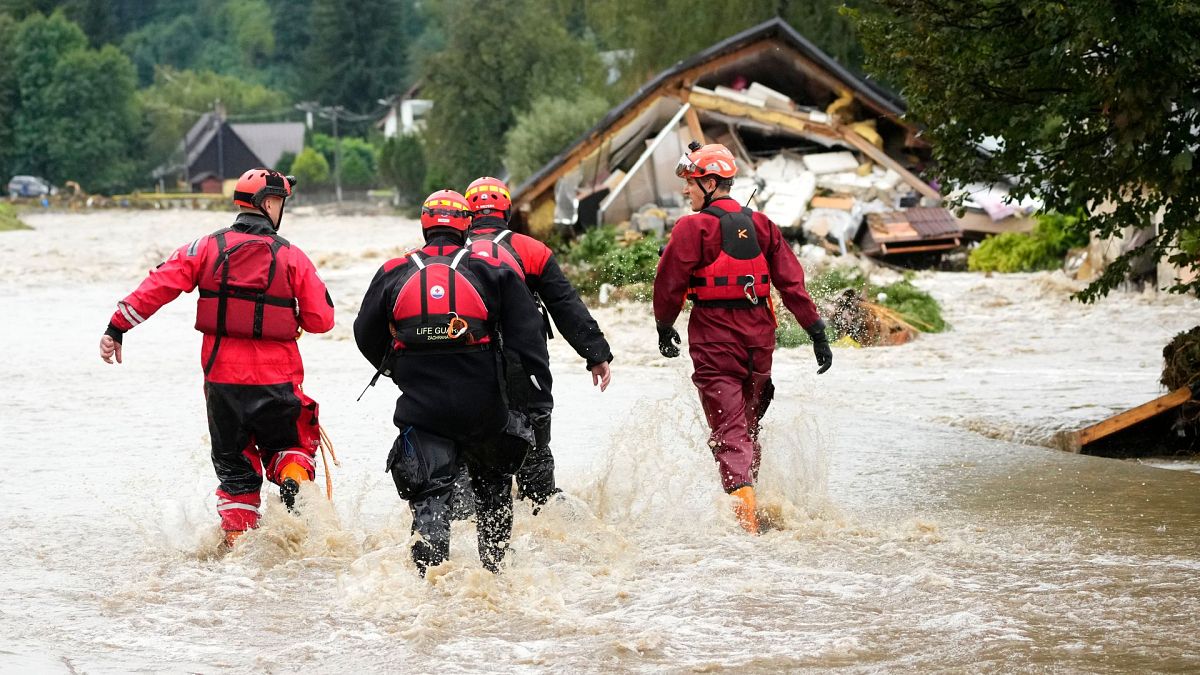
(337,152)
(219,112)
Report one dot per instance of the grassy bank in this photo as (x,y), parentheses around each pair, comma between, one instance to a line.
(9,219)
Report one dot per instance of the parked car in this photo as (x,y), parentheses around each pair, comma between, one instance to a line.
(29,186)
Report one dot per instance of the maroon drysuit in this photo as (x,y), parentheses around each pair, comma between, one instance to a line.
(731,347)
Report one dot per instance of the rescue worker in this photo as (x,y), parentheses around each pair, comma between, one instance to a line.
(534,262)
(433,321)
(258,293)
(725,258)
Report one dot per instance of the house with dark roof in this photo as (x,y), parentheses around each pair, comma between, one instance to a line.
(214,150)
(762,92)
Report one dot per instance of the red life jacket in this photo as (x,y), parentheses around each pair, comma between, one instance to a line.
(739,277)
(247,293)
(498,244)
(439,306)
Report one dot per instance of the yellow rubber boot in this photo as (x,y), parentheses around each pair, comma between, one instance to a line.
(744,509)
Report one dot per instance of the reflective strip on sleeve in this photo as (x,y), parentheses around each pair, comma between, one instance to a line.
(134,312)
(125,313)
(533,379)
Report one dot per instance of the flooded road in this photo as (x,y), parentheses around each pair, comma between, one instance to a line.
(916,525)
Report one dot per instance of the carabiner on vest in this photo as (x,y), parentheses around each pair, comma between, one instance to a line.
(748,289)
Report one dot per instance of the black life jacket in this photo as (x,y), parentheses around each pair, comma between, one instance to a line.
(247,293)
(498,245)
(439,306)
(739,277)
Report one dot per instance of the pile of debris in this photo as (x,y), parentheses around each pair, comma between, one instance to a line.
(842,190)
(866,323)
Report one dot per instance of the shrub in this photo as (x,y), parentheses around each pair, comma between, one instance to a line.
(549,126)
(310,168)
(1043,249)
(598,258)
(402,165)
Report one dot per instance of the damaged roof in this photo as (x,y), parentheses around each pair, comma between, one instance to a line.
(772,52)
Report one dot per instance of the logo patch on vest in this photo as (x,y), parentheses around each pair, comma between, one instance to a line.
(742,234)
(437,292)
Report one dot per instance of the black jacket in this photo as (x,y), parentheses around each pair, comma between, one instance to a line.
(544,277)
(457,394)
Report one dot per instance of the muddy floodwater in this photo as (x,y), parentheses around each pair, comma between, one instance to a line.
(917,524)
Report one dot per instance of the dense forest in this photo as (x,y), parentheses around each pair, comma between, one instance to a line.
(102,91)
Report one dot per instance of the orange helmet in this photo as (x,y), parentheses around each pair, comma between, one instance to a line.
(445,208)
(258,184)
(488,194)
(713,159)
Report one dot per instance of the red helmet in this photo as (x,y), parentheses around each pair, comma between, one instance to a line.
(713,159)
(257,184)
(445,208)
(487,193)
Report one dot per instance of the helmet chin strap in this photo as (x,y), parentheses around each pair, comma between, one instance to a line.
(707,194)
(263,210)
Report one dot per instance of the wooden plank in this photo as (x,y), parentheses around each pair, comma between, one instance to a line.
(786,120)
(693,122)
(899,247)
(880,157)
(1131,417)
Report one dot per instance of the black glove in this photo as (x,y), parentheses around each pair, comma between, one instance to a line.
(539,419)
(668,341)
(820,346)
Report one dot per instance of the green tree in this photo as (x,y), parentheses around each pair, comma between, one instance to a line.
(1090,106)
(359,163)
(10,99)
(402,165)
(482,80)
(39,44)
(310,168)
(549,126)
(94,120)
(76,116)
(666,31)
(357,51)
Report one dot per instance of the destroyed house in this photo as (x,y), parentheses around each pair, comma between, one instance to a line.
(802,126)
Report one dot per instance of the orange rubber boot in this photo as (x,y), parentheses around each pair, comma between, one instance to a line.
(290,478)
(293,471)
(744,509)
(231,537)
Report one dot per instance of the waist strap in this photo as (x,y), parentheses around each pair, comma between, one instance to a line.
(725,304)
(741,280)
(276,300)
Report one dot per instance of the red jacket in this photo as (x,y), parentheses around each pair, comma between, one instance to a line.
(546,279)
(695,242)
(239,360)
